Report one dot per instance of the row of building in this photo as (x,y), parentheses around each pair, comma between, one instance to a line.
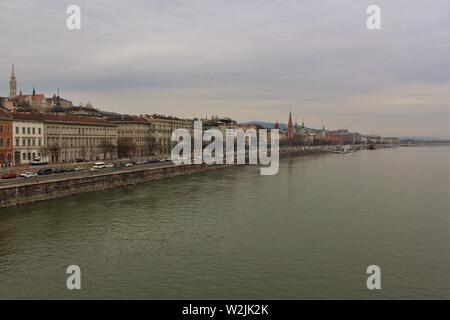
(61,137)
(50,137)
(301,135)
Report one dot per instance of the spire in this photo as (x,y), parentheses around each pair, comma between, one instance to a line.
(290,127)
(57,99)
(12,84)
(277,126)
(303,123)
(34,90)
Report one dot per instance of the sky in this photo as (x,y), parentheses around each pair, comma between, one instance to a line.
(246,59)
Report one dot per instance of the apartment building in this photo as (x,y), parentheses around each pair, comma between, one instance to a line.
(161,131)
(28,138)
(133,137)
(74,138)
(6,148)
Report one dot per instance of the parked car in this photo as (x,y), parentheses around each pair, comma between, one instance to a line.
(117,165)
(59,170)
(98,165)
(109,165)
(38,162)
(129,164)
(28,175)
(9,175)
(45,171)
(78,169)
(69,169)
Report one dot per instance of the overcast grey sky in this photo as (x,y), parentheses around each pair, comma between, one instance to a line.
(247,59)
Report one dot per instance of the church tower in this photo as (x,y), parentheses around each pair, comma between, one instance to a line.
(12,85)
(290,127)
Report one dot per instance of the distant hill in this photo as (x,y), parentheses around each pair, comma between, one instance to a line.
(267,125)
(420,138)
(270,125)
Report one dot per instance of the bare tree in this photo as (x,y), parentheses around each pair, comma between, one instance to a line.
(54,150)
(83,152)
(152,145)
(125,147)
(107,147)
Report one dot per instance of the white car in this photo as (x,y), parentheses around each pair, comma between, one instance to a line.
(28,175)
(98,165)
(38,161)
(109,165)
(79,169)
(129,164)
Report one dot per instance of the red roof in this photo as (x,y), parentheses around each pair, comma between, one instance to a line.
(131,119)
(4,115)
(27,116)
(60,118)
(74,119)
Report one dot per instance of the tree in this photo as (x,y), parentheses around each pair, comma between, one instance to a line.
(84,152)
(54,151)
(152,146)
(107,147)
(125,147)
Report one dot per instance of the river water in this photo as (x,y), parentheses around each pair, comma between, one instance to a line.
(308,232)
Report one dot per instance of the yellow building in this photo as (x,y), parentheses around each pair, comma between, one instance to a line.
(161,131)
(133,137)
(72,138)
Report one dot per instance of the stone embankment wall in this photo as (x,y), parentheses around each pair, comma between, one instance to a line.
(11,195)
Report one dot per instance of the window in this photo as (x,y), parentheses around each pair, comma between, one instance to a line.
(8,142)
(17,130)
(39,130)
(1,128)
(17,142)
(28,130)
(34,130)
(23,130)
